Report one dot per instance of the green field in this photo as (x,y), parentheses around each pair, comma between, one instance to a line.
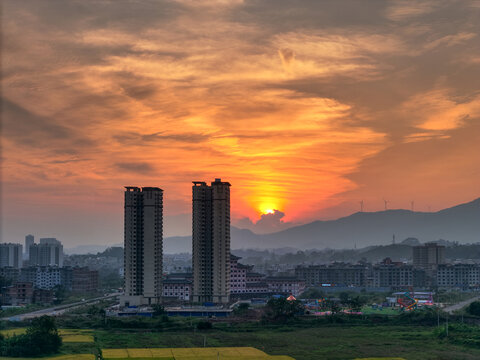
(61,357)
(68,335)
(385,311)
(335,338)
(325,342)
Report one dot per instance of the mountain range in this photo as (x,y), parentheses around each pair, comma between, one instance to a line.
(460,223)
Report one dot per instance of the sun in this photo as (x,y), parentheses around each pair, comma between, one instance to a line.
(269,211)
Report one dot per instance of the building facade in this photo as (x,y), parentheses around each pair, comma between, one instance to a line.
(11,255)
(463,276)
(84,280)
(238,275)
(428,256)
(211,242)
(143,244)
(334,274)
(44,277)
(29,241)
(20,293)
(178,286)
(397,275)
(47,253)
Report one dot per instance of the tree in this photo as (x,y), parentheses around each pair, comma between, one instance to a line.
(158,310)
(312,293)
(356,303)
(282,310)
(241,309)
(474,308)
(60,294)
(41,338)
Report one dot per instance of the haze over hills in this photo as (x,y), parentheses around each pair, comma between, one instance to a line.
(460,223)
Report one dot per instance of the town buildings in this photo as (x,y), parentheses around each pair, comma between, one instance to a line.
(143,245)
(428,256)
(11,255)
(49,252)
(178,286)
(238,275)
(336,273)
(462,276)
(29,241)
(84,280)
(211,241)
(396,275)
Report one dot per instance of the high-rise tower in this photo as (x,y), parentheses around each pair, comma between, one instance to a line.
(211,241)
(143,246)
(29,241)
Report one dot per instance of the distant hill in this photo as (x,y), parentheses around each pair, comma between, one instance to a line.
(456,224)
(459,224)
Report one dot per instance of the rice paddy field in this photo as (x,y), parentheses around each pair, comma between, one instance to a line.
(249,341)
(335,342)
(228,353)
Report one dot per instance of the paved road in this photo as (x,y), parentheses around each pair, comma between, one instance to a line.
(450,309)
(58,310)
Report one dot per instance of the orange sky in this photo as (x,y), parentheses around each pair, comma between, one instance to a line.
(306,107)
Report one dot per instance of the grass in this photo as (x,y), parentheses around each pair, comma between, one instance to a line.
(324,342)
(228,353)
(385,311)
(61,357)
(68,335)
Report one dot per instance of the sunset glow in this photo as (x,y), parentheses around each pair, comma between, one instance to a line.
(307,116)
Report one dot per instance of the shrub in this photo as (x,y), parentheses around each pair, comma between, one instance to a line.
(41,338)
(474,308)
(204,325)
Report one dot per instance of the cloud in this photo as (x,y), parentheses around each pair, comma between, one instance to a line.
(287,56)
(268,223)
(283,99)
(401,10)
(155,138)
(135,167)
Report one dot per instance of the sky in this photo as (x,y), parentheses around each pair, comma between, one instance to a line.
(306,107)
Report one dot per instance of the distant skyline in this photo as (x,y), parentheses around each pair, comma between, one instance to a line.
(307,108)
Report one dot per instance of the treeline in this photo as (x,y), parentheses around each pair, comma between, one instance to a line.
(40,338)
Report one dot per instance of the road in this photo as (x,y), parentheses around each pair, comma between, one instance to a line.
(450,309)
(58,310)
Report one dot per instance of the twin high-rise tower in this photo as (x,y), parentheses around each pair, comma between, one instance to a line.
(211,242)
(143,244)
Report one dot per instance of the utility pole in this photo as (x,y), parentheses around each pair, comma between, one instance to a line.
(412,203)
(204,340)
(386,204)
(361,206)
